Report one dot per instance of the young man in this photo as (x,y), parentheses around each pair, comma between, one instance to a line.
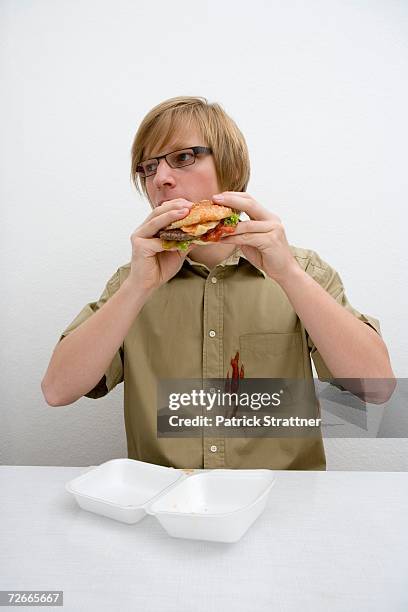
(250,306)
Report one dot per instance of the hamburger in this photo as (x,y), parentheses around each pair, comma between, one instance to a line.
(206,223)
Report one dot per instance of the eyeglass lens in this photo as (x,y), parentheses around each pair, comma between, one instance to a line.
(177,159)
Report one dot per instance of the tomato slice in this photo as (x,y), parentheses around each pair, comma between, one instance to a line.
(215,234)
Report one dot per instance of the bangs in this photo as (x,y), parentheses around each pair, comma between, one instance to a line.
(169,129)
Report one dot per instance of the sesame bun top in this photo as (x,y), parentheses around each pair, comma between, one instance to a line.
(202,212)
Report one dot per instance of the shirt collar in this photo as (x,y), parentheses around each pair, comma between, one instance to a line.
(232,260)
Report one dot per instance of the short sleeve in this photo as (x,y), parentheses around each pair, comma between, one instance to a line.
(330,280)
(114,373)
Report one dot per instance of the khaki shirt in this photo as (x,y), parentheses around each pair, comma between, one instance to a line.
(192,327)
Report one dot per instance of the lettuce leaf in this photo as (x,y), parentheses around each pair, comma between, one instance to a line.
(182,246)
(232,219)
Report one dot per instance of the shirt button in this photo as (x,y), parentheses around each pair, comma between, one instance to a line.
(213,280)
(213,448)
(212,390)
(211,333)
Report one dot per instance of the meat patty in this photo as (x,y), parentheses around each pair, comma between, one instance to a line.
(175,234)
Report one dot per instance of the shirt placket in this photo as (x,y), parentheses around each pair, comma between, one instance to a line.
(213,351)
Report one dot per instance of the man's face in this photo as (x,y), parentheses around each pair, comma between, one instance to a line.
(194,183)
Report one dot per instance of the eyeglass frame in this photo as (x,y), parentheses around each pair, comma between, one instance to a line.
(195,150)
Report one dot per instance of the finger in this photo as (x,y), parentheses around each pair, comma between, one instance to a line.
(158,222)
(152,245)
(255,226)
(181,251)
(167,206)
(244,202)
(155,245)
(259,240)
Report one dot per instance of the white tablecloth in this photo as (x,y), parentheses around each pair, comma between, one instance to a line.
(327,541)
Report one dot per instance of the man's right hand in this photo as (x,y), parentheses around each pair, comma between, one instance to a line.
(82,358)
(151,264)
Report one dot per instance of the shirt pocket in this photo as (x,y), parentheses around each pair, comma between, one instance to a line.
(272,355)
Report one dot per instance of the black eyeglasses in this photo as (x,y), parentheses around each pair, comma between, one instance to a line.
(175,159)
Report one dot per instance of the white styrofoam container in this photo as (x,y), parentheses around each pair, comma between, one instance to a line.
(218,505)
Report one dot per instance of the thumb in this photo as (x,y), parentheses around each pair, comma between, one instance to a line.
(183,254)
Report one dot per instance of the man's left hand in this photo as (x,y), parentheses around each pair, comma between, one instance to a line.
(262,239)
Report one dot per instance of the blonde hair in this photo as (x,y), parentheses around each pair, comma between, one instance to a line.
(219,131)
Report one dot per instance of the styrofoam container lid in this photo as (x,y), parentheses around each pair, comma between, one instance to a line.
(124,483)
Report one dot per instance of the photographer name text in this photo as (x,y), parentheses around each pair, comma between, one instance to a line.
(244,421)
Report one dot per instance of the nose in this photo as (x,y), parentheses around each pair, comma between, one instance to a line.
(164,175)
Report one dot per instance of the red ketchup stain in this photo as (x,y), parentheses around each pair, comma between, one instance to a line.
(232,385)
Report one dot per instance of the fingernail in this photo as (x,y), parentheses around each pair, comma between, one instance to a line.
(219,197)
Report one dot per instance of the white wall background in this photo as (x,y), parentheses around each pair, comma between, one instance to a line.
(319,88)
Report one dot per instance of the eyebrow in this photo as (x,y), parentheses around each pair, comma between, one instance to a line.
(178,146)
